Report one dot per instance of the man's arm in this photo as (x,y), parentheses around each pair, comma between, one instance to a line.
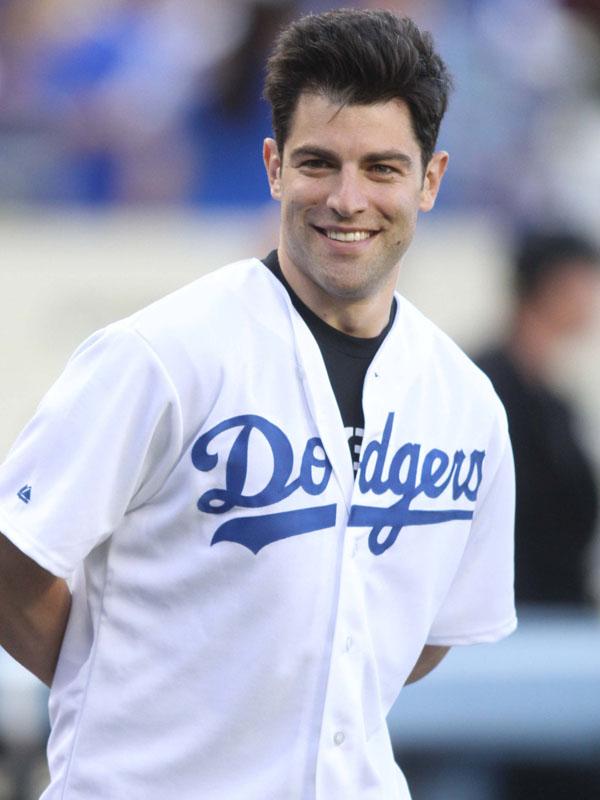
(34,609)
(430,657)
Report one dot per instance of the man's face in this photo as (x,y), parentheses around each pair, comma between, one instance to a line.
(351,184)
(567,301)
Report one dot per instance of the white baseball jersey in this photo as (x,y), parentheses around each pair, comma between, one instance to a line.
(245,611)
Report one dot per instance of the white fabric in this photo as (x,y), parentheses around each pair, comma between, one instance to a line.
(215,649)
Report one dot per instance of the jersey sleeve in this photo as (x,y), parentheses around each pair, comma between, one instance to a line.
(479,607)
(101,442)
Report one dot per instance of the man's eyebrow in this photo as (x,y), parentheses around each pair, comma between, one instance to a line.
(389,155)
(314,152)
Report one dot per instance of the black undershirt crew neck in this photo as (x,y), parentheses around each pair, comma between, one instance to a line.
(347,359)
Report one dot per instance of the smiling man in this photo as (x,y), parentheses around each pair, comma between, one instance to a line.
(245,517)
(351,182)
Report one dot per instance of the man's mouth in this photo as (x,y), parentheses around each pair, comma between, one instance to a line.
(346,236)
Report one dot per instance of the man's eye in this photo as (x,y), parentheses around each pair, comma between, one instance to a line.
(315,163)
(383,169)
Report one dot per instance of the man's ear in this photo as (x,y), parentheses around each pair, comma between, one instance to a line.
(273,166)
(433,180)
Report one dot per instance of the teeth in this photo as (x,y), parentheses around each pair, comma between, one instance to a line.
(350,236)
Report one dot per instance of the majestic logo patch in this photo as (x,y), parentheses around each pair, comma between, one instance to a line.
(24,493)
(407,475)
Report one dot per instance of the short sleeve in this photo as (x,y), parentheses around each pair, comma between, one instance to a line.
(479,606)
(103,440)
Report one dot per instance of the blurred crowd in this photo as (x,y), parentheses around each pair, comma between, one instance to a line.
(157,102)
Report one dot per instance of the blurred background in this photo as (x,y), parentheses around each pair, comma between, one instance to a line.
(130,163)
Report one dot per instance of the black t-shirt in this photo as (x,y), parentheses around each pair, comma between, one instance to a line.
(346,358)
(557,499)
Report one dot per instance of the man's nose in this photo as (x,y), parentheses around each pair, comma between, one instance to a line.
(347,196)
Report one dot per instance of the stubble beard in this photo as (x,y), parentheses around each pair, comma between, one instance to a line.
(350,280)
(345,278)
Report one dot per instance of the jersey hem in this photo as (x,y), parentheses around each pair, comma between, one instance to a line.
(480,637)
(30,548)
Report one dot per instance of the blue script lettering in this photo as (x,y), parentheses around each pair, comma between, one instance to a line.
(434,479)
(402,479)
(256,532)
(376,451)
(410,474)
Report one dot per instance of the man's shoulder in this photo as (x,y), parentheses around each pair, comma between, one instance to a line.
(217,301)
(435,352)
(225,283)
(206,327)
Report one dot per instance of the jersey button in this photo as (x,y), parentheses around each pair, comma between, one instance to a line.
(349,643)
(339,738)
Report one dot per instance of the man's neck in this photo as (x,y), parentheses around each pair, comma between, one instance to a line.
(362,317)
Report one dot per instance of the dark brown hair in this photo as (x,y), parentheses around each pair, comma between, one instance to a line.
(540,254)
(358,57)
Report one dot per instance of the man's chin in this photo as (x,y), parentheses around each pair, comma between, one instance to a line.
(347,290)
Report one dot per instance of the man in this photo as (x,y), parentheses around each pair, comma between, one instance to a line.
(244,610)
(556,281)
